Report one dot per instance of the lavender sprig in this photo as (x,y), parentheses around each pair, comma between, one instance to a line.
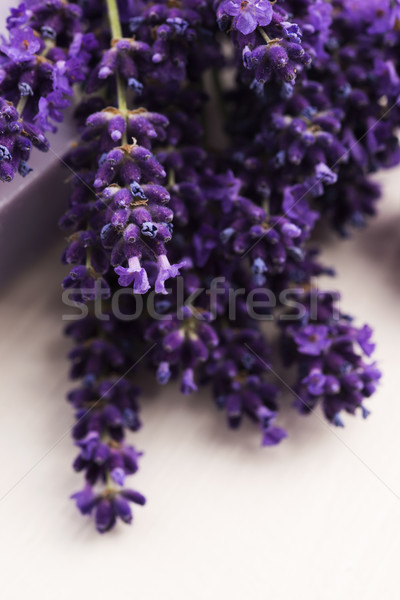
(118,213)
(105,406)
(341,116)
(46,53)
(329,351)
(268,42)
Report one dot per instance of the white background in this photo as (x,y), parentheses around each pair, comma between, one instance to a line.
(315,518)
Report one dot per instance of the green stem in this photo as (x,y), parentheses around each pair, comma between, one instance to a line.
(88,258)
(49,44)
(121,96)
(21,104)
(267,39)
(264,35)
(110,486)
(116,33)
(171,178)
(113,17)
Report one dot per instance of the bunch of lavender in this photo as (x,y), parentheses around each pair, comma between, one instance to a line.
(337,124)
(156,208)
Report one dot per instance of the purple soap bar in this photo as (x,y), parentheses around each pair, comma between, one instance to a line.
(30,206)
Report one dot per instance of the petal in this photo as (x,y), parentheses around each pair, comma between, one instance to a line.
(166,272)
(125,276)
(141,282)
(134,496)
(263,12)
(105,518)
(273,436)
(85,499)
(245,22)
(232,8)
(118,475)
(122,509)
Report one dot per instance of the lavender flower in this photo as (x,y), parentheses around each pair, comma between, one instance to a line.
(237,367)
(105,406)
(330,355)
(183,344)
(122,225)
(269,44)
(46,53)
(108,506)
(248,14)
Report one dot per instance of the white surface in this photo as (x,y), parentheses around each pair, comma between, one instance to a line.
(316,518)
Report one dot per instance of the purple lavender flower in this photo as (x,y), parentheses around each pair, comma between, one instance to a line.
(166,271)
(134,273)
(248,14)
(108,506)
(312,339)
(22,46)
(98,459)
(237,367)
(123,229)
(315,382)
(39,65)
(330,368)
(269,44)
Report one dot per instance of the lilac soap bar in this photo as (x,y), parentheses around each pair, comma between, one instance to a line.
(31,206)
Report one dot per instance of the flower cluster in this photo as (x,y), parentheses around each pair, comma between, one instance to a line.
(183,342)
(236,368)
(105,407)
(199,224)
(46,53)
(329,351)
(132,169)
(269,44)
(335,125)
